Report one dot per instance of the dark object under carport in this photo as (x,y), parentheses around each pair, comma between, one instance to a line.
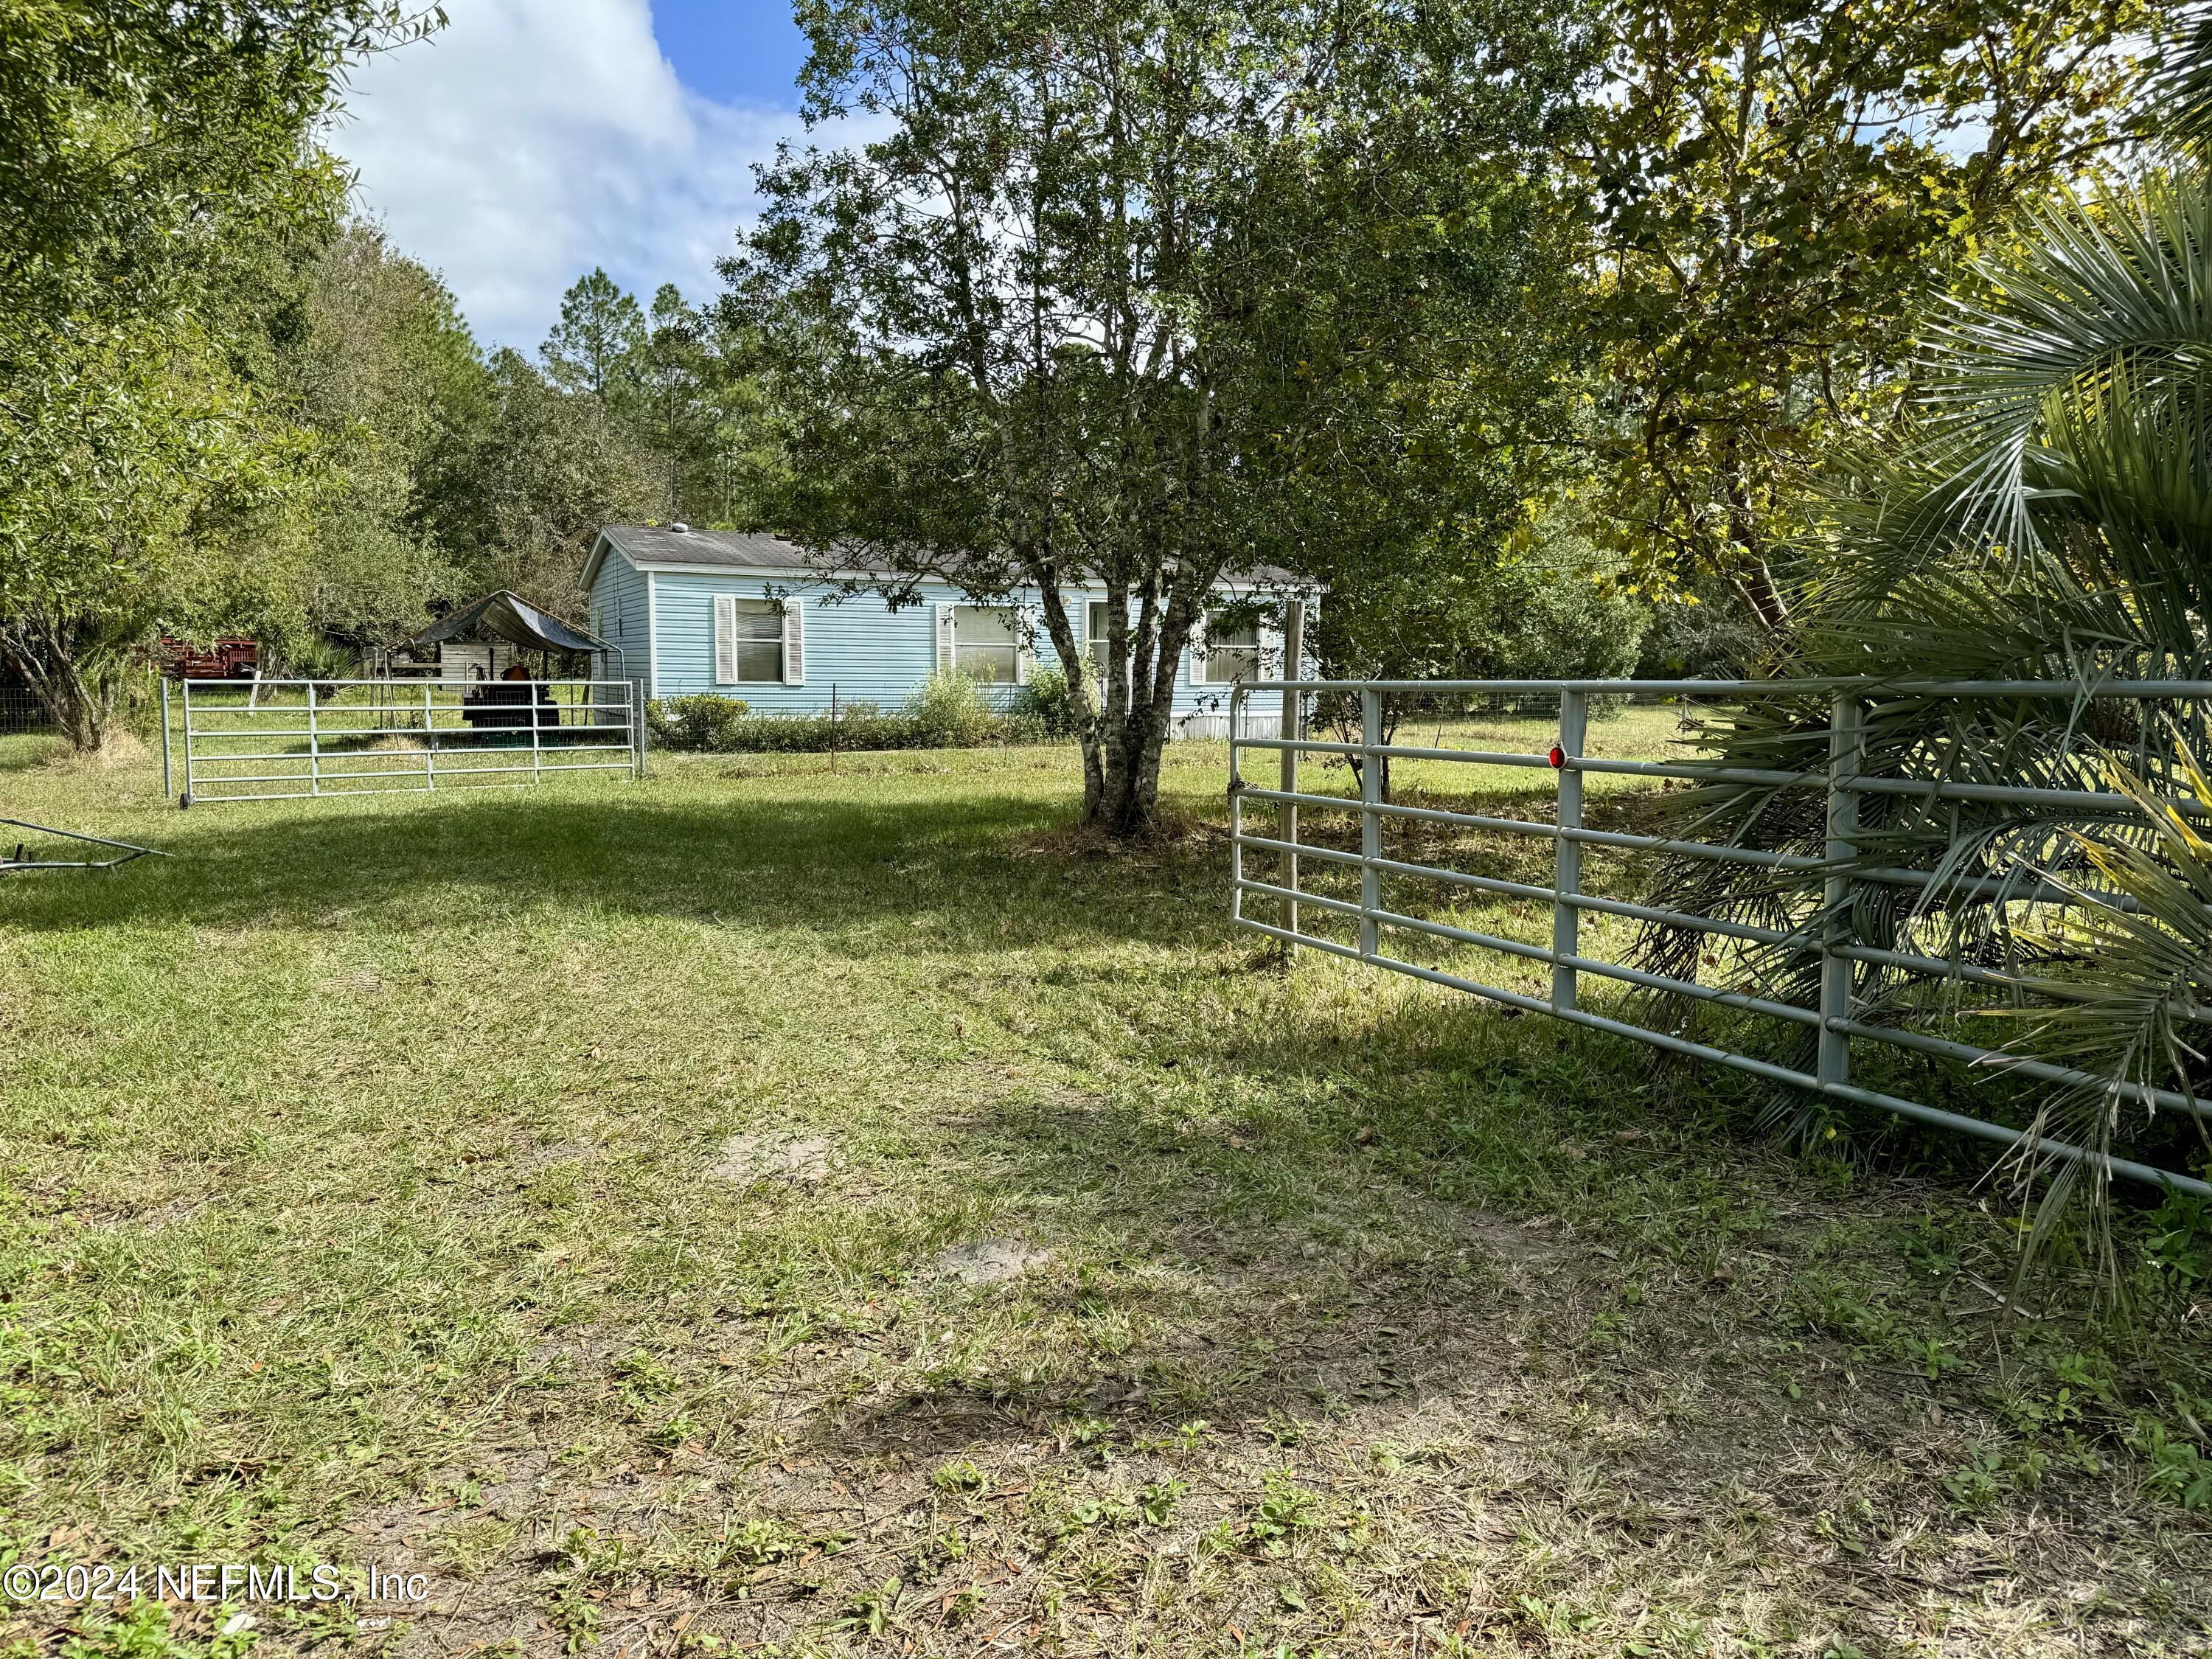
(500,705)
(508,615)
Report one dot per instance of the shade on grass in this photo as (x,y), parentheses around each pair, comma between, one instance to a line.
(372,1193)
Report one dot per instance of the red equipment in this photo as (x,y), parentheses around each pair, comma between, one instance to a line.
(226,660)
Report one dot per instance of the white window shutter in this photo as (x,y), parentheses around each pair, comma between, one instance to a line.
(1025,631)
(1271,666)
(1198,664)
(794,643)
(725,639)
(944,641)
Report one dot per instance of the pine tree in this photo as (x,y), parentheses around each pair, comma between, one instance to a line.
(597,345)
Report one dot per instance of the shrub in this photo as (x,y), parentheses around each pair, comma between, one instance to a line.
(317,659)
(704,722)
(857,726)
(950,708)
(948,712)
(1049,700)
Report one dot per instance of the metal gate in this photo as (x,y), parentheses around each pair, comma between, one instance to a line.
(295,739)
(1834,1021)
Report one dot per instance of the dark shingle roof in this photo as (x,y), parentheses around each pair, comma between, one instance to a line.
(741,550)
(747,549)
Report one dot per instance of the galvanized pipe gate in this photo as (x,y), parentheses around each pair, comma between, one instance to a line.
(1835,1022)
(298,740)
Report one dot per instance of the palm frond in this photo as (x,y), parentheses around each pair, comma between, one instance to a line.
(2096,294)
(2053,523)
(2135,462)
(2119,983)
(2182,91)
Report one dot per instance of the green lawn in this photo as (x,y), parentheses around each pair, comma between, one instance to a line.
(777,1210)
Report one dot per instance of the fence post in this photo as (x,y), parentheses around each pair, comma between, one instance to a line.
(640,726)
(1291,730)
(1370,821)
(1236,804)
(314,747)
(1845,716)
(536,760)
(166,790)
(1567,859)
(430,742)
(186,697)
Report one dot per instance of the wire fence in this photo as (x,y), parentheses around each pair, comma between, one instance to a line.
(21,711)
(288,739)
(1440,806)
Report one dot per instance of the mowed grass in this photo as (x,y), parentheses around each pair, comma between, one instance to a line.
(769,1209)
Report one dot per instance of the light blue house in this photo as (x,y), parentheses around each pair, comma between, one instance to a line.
(746,616)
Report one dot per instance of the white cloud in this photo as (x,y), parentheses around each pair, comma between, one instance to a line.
(534,139)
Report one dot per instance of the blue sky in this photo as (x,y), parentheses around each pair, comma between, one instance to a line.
(532,139)
(730,50)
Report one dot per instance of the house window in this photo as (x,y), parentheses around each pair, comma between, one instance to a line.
(984,644)
(1232,653)
(1094,635)
(755,642)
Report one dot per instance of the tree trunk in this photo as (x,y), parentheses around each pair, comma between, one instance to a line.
(1121,774)
(48,652)
(1753,578)
(1125,740)
(1122,769)
(1089,718)
(1755,587)
(1347,728)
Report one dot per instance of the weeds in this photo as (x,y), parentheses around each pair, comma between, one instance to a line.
(958,1476)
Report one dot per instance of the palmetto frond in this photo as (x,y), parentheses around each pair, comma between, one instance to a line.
(2184,88)
(2102,301)
(2119,984)
(2053,524)
(2136,463)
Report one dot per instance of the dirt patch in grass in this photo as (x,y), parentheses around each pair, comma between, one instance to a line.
(801,1160)
(992,1260)
(530,1160)
(1178,833)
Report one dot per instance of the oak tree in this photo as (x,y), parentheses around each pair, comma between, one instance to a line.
(1775,188)
(1114,273)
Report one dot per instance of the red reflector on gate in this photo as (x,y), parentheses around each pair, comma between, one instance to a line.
(1559,757)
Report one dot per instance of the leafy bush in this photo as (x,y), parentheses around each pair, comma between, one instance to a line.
(948,712)
(1050,701)
(950,709)
(704,722)
(857,726)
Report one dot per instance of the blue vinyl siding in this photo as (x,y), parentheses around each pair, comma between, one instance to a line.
(869,651)
(857,643)
(662,619)
(618,616)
